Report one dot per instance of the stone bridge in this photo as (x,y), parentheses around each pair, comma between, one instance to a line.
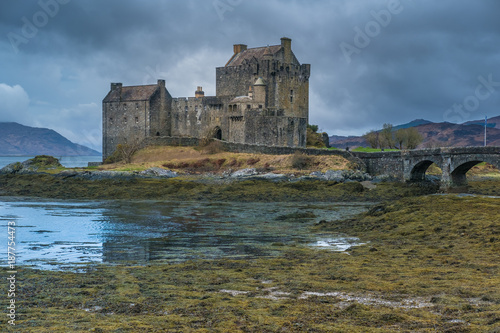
(411,165)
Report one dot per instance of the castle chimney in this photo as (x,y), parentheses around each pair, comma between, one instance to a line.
(239,48)
(286,45)
(199,93)
(163,95)
(115,86)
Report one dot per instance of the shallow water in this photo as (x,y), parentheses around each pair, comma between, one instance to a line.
(66,161)
(62,234)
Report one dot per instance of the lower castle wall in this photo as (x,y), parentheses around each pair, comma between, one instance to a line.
(243,147)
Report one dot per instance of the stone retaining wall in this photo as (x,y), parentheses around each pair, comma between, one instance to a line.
(244,147)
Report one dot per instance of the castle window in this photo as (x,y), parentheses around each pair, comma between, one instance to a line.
(249,106)
(291,96)
(186,108)
(260,106)
(136,120)
(111,120)
(125,120)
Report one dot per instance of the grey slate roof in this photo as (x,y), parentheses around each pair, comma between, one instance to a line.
(131,93)
(249,54)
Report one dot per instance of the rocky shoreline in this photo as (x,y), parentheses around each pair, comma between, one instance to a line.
(30,167)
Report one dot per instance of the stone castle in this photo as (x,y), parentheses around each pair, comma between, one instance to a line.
(262,97)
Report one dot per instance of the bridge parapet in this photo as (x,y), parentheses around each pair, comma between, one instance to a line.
(411,165)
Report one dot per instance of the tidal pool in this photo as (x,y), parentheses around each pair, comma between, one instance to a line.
(53,234)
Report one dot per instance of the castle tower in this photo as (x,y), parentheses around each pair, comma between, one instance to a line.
(259,88)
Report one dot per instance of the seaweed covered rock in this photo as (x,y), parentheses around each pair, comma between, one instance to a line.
(342,175)
(33,165)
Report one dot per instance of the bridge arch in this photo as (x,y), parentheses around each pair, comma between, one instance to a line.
(418,171)
(460,168)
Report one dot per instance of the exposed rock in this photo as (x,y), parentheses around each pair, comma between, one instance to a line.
(342,175)
(158,172)
(11,168)
(368,184)
(335,175)
(244,173)
(38,163)
(101,175)
(271,176)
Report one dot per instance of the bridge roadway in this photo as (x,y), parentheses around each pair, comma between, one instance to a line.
(411,165)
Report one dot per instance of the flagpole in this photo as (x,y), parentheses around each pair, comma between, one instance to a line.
(485,122)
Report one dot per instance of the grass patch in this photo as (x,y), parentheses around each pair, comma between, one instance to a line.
(185,159)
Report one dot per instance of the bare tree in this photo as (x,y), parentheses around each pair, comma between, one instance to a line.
(414,138)
(127,150)
(372,138)
(387,138)
(401,137)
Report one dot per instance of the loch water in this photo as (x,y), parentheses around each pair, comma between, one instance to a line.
(66,161)
(52,234)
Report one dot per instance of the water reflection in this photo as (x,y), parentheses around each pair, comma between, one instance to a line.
(51,234)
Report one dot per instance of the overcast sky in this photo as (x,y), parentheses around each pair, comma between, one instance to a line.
(372,62)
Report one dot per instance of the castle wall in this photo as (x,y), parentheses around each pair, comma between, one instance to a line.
(196,117)
(287,84)
(124,122)
(160,113)
(274,130)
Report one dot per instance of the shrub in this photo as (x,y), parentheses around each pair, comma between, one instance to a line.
(123,152)
(314,139)
(300,161)
(220,162)
(252,161)
(213,147)
(201,163)
(45,161)
(234,163)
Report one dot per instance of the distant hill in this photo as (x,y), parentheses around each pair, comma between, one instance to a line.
(492,122)
(17,139)
(438,134)
(414,123)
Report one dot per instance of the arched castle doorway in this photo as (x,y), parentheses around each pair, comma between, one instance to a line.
(217,133)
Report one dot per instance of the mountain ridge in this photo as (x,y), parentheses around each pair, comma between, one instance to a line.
(17,139)
(443,134)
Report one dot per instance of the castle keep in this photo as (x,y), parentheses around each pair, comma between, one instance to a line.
(262,97)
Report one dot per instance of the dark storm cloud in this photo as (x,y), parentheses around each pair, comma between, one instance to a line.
(419,62)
